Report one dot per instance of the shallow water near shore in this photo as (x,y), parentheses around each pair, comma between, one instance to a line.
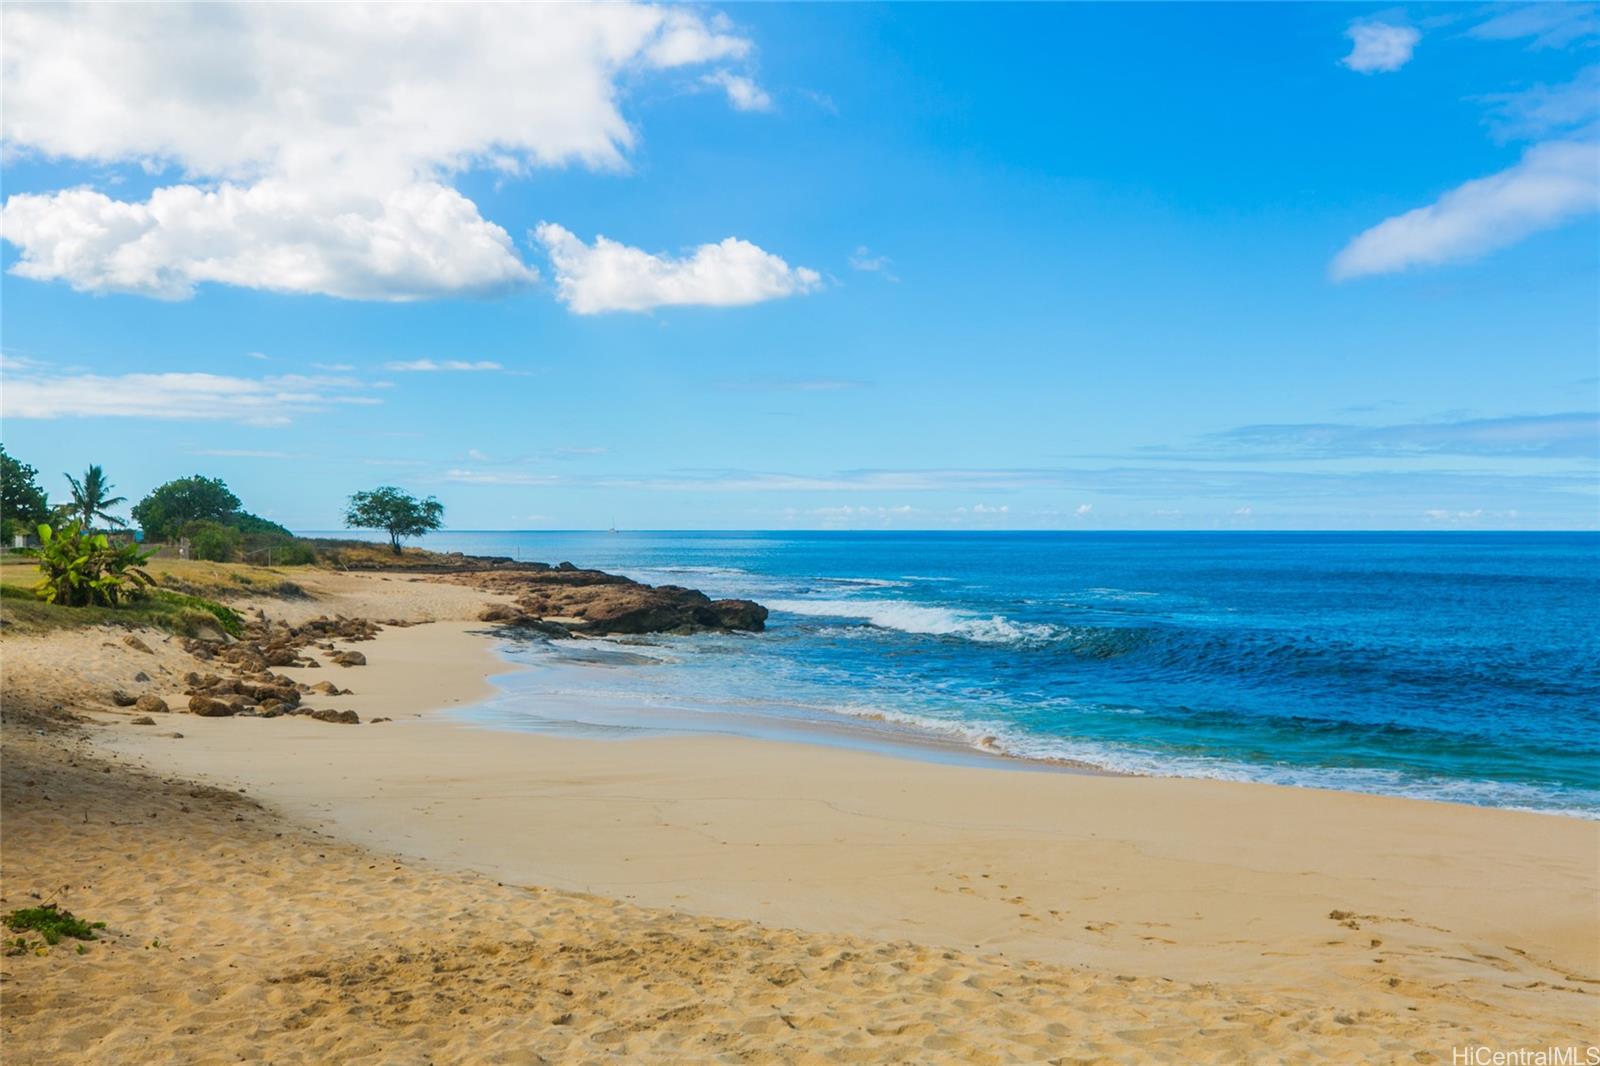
(1458,667)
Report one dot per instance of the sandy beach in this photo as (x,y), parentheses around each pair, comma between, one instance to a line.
(424,889)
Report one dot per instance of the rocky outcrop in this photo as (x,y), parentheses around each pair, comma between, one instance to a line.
(565,600)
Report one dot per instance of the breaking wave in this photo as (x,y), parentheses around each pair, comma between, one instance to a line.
(922,619)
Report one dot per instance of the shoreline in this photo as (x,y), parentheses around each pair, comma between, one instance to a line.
(619,719)
(1181,879)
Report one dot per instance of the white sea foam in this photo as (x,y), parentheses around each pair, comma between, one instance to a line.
(1000,738)
(921,618)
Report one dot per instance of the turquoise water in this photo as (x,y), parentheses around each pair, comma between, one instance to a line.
(1460,667)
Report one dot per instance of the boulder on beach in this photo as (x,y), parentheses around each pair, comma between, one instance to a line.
(150,703)
(341,717)
(207,707)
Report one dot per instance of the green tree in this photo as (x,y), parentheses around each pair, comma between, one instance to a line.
(91,499)
(163,514)
(256,526)
(396,512)
(22,502)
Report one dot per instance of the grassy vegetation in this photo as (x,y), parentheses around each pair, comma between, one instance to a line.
(52,923)
(176,612)
(367,555)
(221,580)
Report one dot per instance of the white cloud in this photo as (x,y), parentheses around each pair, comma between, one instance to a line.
(257,355)
(427,365)
(608,276)
(1378,46)
(317,140)
(506,477)
(244,453)
(1550,25)
(1553,183)
(863,259)
(31,392)
(1244,512)
(417,241)
(1084,509)
(743,93)
(1542,110)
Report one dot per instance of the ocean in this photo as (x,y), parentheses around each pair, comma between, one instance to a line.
(1453,666)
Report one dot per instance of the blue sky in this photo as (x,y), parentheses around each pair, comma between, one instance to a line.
(942,266)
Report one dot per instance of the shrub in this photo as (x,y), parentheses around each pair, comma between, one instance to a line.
(213,541)
(81,569)
(291,552)
(51,923)
(194,611)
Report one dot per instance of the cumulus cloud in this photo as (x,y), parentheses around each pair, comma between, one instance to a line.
(1553,183)
(1379,47)
(417,241)
(743,93)
(609,276)
(31,391)
(317,140)
(427,365)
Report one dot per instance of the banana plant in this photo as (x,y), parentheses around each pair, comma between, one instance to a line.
(80,569)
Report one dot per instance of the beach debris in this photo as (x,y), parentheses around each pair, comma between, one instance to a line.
(142,677)
(136,644)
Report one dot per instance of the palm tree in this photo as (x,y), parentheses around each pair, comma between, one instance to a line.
(91,498)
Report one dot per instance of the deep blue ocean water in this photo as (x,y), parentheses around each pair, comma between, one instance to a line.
(1461,667)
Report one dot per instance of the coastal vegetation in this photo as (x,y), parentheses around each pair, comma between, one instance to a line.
(206,513)
(81,569)
(92,499)
(166,609)
(23,504)
(51,923)
(395,512)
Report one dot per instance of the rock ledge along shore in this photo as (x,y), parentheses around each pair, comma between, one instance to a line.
(565,601)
